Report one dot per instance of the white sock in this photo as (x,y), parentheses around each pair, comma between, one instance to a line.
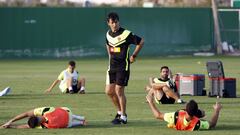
(78,117)
(119,112)
(123,117)
(82,88)
(179,100)
(70,88)
(77,123)
(82,122)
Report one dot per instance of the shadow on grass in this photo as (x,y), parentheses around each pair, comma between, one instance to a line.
(227,127)
(132,123)
(22,96)
(222,102)
(95,93)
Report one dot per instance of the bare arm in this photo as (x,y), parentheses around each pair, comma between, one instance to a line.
(158,86)
(19,126)
(52,86)
(107,47)
(157,114)
(137,50)
(18,117)
(213,122)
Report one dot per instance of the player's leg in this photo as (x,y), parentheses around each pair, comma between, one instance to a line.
(148,88)
(63,87)
(158,94)
(78,121)
(169,93)
(110,91)
(69,85)
(122,100)
(81,85)
(122,81)
(157,114)
(75,120)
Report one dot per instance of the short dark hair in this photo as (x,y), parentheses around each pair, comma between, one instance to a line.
(33,122)
(192,108)
(200,113)
(72,63)
(164,67)
(113,16)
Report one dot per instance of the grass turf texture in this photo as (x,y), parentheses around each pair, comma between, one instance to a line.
(29,78)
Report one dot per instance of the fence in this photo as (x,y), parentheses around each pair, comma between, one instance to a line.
(80,32)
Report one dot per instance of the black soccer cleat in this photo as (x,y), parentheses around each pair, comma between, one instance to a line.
(123,121)
(116,120)
(71,92)
(81,92)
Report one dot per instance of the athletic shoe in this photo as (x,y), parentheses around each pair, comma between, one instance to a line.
(71,92)
(5,91)
(180,101)
(116,120)
(82,92)
(123,121)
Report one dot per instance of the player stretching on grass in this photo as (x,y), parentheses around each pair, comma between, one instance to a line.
(187,119)
(69,81)
(163,88)
(118,41)
(47,117)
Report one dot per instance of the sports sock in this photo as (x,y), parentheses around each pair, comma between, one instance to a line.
(82,122)
(82,88)
(77,122)
(78,117)
(123,117)
(119,112)
(179,101)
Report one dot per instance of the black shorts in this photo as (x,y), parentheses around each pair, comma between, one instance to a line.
(75,89)
(119,77)
(166,100)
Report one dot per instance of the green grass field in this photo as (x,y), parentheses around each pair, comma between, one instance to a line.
(29,78)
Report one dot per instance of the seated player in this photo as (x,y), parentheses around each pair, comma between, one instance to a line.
(69,81)
(163,89)
(47,117)
(187,119)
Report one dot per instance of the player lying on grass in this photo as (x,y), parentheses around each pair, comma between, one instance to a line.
(187,119)
(69,81)
(47,117)
(163,88)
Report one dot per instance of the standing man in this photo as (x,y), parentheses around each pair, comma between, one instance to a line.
(118,41)
(70,81)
